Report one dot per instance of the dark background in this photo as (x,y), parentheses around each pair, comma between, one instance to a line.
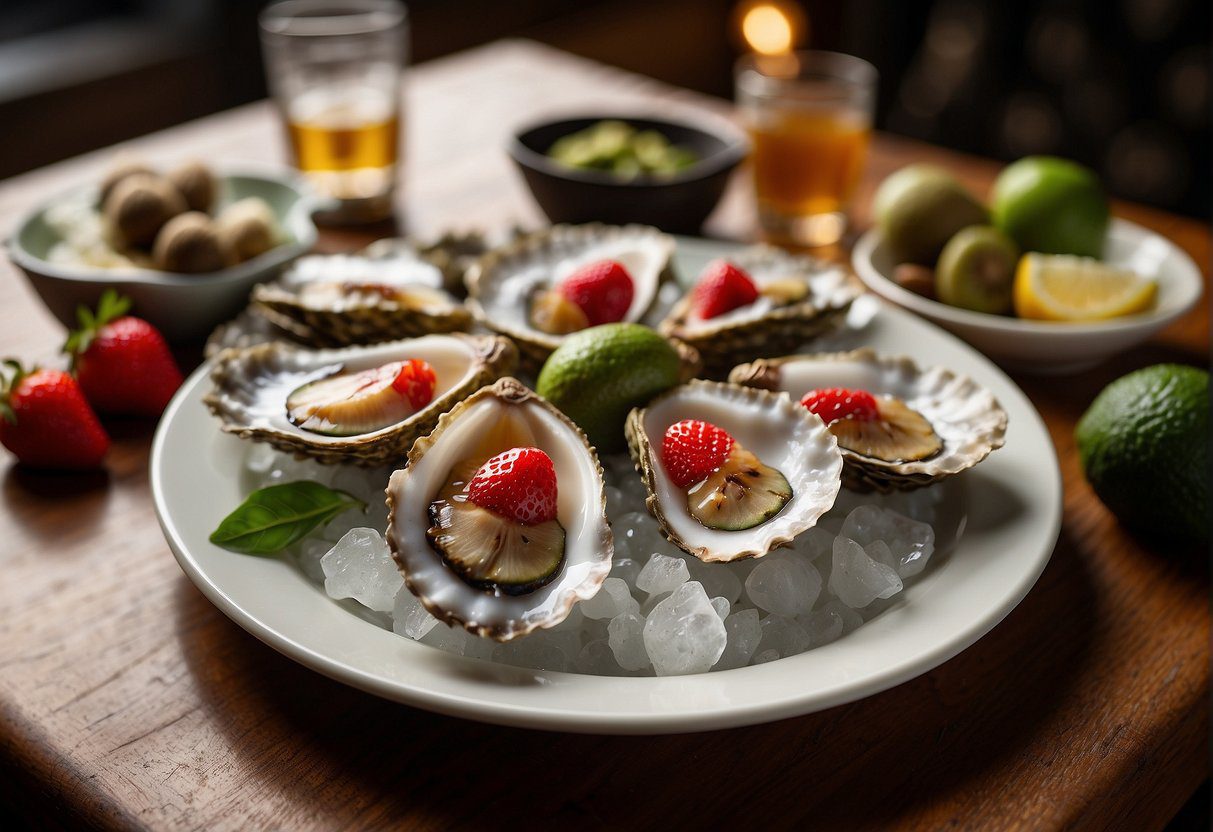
(1121,85)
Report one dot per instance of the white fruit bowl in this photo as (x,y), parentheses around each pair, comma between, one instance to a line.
(1045,347)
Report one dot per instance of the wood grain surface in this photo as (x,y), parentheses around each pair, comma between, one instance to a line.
(128,701)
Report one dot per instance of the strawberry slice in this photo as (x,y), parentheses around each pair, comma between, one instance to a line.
(123,364)
(602,290)
(416,381)
(834,403)
(692,449)
(519,484)
(46,421)
(722,287)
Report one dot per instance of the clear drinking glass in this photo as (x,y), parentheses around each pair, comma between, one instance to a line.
(334,68)
(809,115)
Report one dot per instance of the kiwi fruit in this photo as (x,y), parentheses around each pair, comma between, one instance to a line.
(976,270)
(919,208)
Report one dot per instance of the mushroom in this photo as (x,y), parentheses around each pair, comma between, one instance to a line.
(138,207)
(188,243)
(246,228)
(197,184)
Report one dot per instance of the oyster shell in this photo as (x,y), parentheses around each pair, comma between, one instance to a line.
(494,419)
(452,254)
(341,300)
(251,386)
(799,299)
(502,283)
(770,426)
(964,415)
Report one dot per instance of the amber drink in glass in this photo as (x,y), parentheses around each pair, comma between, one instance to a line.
(809,115)
(335,68)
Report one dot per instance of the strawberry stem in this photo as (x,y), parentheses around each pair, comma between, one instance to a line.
(10,377)
(110,307)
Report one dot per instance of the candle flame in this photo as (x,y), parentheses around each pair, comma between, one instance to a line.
(770,28)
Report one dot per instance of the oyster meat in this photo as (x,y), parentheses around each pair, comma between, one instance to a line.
(341,300)
(501,563)
(899,426)
(362,405)
(733,472)
(786,299)
(517,289)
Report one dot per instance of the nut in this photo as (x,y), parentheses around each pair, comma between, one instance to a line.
(197,184)
(138,207)
(246,228)
(123,167)
(918,279)
(188,243)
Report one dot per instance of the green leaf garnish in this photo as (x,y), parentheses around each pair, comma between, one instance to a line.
(273,518)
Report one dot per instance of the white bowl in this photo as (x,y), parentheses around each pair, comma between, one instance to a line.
(184,307)
(1045,347)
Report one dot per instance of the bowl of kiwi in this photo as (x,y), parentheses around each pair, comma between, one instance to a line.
(186,243)
(628,169)
(1039,276)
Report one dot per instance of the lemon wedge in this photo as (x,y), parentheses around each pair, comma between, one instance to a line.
(1062,287)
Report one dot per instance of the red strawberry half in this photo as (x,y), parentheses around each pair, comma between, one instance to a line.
(691,450)
(722,287)
(519,484)
(46,422)
(602,290)
(123,364)
(834,403)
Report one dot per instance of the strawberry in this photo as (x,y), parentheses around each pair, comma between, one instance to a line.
(834,403)
(123,364)
(691,450)
(46,422)
(519,484)
(722,287)
(603,290)
(415,382)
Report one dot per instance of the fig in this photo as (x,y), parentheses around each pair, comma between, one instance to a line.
(919,208)
(976,270)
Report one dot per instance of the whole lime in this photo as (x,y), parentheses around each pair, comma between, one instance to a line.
(596,376)
(1144,445)
(1051,205)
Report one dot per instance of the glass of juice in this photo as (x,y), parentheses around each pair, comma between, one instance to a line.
(334,68)
(809,115)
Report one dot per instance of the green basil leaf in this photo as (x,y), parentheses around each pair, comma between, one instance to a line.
(275,517)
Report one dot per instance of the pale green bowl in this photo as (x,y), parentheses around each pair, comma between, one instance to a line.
(183,307)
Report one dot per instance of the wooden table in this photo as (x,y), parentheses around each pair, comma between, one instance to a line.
(127,700)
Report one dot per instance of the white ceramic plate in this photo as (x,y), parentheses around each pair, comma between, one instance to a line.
(1014,513)
(1046,347)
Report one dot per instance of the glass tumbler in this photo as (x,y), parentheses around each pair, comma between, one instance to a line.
(335,70)
(809,115)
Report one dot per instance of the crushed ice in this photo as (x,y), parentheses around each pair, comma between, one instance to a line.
(661,611)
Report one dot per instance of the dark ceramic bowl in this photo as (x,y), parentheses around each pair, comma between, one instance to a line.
(679,203)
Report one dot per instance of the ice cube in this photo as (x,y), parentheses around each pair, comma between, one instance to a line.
(783,634)
(613,598)
(856,579)
(625,568)
(597,659)
(765,656)
(784,584)
(823,626)
(311,550)
(744,632)
(409,617)
(814,543)
(625,635)
(851,620)
(661,574)
(359,566)
(260,458)
(911,542)
(718,579)
(721,605)
(684,634)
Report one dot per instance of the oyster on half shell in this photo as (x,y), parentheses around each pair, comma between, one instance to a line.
(963,421)
(340,300)
(253,388)
(495,419)
(774,431)
(503,285)
(799,298)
